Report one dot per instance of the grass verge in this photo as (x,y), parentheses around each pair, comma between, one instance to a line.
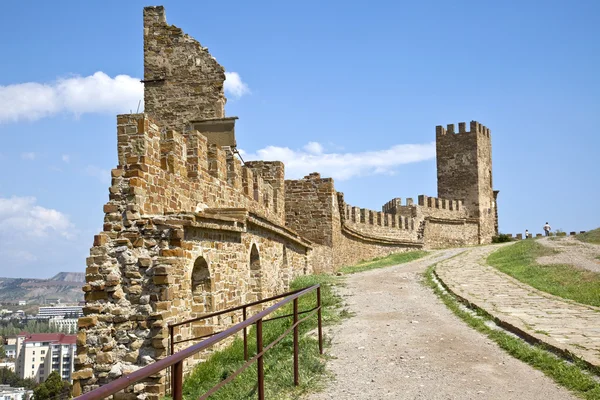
(590,236)
(564,281)
(380,262)
(573,376)
(278,361)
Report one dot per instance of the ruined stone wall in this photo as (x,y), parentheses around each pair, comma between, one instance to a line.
(188,230)
(183,82)
(174,200)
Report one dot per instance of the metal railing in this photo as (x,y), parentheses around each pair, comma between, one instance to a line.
(175,361)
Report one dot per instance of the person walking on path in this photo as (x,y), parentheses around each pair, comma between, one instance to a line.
(547,229)
(526,234)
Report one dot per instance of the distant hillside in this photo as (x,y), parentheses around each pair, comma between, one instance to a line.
(69,277)
(65,286)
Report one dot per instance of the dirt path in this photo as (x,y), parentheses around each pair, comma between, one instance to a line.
(572,252)
(403,343)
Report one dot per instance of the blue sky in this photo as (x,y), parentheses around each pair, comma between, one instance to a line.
(343,84)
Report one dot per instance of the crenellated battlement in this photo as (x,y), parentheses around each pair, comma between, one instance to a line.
(177,172)
(475,128)
(442,204)
(365,216)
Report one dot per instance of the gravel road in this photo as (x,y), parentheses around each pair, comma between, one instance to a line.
(403,343)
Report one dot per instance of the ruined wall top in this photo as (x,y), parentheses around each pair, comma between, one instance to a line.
(182,81)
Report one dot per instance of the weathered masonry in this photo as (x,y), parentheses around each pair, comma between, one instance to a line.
(189,229)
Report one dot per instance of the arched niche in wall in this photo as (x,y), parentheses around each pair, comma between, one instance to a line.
(202,284)
(255,292)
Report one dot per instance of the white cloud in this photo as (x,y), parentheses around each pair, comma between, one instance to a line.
(343,166)
(97,93)
(35,241)
(103,175)
(21,217)
(28,156)
(66,158)
(314,147)
(234,85)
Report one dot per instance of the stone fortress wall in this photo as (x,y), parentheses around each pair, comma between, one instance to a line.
(189,230)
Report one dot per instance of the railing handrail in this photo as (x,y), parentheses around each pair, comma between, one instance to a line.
(169,361)
(237,308)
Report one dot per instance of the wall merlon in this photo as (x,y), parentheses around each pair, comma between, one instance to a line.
(217,162)
(234,171)
(248,181)
(259,186)
(173,153)
(197,154)
(138,140)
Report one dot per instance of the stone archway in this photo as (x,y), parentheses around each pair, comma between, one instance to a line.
(202,284)
(255,287)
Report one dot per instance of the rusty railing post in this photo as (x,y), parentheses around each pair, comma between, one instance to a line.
(172,348)
(320,325)
(178,381)
(296,372)
(259,361)
(245,336)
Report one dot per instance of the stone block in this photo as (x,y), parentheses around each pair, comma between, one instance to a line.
(100,240)
(87,322)
(85,373)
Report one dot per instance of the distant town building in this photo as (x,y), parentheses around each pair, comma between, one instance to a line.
(10,350)
(60,311)
(10,393)
(9,365)
(62,324)
(38,354)
(22,302)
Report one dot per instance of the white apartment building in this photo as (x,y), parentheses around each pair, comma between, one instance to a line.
(61,324)
(60,311)
(38,354)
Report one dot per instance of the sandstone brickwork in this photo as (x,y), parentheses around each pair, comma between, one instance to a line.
(189,229)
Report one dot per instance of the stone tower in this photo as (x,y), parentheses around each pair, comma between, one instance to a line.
(464,171)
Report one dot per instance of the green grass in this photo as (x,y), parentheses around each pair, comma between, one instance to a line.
(564,281)
(574,376)
(590,236)
(278,361)
(380,262)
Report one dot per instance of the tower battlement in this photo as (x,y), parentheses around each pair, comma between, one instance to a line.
(475,127)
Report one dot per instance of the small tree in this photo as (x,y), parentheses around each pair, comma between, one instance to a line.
(53,387)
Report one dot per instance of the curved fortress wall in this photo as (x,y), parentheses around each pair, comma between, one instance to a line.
(189,230)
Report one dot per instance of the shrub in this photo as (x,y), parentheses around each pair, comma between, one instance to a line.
(501,238)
